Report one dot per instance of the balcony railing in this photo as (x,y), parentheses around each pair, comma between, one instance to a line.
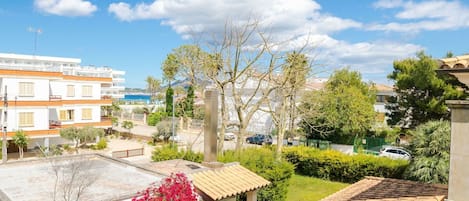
(55,124)
(106,97)
(55,97)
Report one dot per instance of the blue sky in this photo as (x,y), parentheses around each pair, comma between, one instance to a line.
(136,36)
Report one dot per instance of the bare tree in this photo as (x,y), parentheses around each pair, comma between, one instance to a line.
(243,60)
(282,106)
(72,177)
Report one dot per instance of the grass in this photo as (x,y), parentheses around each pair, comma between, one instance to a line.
(304,188)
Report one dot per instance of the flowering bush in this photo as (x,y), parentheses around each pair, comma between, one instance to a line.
(176,187)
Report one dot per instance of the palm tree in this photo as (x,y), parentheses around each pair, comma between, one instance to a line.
(21,140)
(153,86)
(430,148)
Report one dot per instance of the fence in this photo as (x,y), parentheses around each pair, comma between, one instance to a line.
(321,144)
(370,145)
(127,153)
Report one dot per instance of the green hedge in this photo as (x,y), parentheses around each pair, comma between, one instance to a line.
(258,160)
(170,152)
(262,162)
(336,166)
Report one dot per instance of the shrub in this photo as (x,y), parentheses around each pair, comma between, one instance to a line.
(170,152)
(102,144)
(334,165)
(156,117)
(258,160)
(176,187)
(262,161)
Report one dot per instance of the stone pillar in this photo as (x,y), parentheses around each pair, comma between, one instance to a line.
(459,158)
(210,129)
(98,138)
(251,195)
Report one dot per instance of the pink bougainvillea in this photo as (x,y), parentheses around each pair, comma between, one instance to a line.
(176,187)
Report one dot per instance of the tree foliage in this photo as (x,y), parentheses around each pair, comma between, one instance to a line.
(128,125)
(81,135)
(430,148)
(153,86)
(344,106)
(170,67)
(21,140)
(169,101)
(421,92)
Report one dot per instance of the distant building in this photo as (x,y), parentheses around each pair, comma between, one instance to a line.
(45,94)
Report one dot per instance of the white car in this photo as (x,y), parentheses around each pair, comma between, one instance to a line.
(395,153)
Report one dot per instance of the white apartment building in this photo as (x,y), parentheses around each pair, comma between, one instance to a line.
(45,94)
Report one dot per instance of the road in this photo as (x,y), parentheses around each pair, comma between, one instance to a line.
(192,138)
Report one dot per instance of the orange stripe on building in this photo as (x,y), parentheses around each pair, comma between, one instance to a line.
(85,78)
(52,74)
(30,73)
(91,102)
(59,103)
(34,103)
(36,132)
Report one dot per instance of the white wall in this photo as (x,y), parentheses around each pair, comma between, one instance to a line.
(41,88)
(41,118)
(60,88)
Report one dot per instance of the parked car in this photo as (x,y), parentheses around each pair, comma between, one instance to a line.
(228,136)
(260,139)
(395,153)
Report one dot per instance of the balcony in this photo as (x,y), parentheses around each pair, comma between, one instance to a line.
(55,124)
(106,97)
(55,97)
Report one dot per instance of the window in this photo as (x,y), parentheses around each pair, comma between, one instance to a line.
(26,89)
(86,113)
(66,115)
(70,90)
(26,119)
(87,91)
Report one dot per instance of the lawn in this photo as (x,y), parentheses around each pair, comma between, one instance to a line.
(303,188)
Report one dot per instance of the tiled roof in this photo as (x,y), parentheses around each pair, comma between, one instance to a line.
(459,62)
(227,181)
(384,189)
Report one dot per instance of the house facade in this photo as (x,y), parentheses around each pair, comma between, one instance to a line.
(45,94)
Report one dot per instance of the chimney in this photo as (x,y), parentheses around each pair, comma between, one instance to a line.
(210,129)
(458,184)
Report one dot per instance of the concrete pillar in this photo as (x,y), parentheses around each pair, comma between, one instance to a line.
(251,195)
(97,138)
(210,129)
(459,158)
(46,144)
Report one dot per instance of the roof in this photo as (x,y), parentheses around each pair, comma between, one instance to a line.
(227,181)
(382,87)
(376,188)
(459,62)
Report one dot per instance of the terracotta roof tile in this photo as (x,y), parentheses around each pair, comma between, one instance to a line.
(227,181)
(384,189)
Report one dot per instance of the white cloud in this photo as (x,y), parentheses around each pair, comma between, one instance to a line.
(69,8)
(424,16)
(300,20)
(388,3)
(206,15)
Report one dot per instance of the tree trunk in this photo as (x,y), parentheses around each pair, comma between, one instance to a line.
(240,142)
(282,124)
(20,149)
(224,120)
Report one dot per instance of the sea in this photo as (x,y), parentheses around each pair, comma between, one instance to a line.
(137,98)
